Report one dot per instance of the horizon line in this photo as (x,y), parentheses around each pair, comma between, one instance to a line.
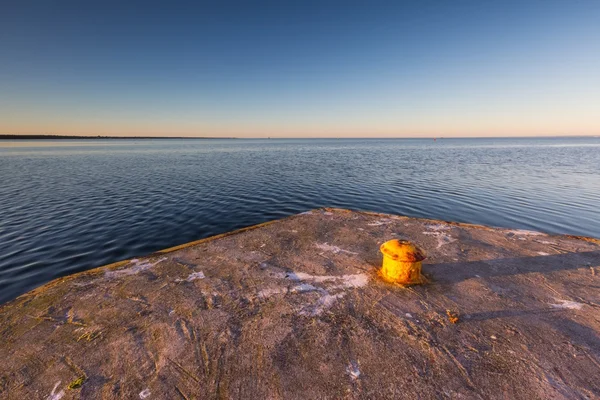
(91,137)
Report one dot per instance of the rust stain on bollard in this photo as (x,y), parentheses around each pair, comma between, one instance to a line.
(402,262)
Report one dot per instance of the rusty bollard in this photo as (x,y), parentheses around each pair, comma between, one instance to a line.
(402,262)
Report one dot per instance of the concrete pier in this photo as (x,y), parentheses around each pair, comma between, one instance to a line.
(295,309)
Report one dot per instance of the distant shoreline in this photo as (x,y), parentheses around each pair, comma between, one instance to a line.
(66,137)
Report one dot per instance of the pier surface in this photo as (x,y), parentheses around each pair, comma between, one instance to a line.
(295,309)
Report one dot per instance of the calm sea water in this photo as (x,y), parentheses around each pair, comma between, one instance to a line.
(68,206)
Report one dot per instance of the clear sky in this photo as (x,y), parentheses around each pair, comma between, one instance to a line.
(300,68)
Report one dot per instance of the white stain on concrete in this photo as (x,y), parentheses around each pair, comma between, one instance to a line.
(145,393)
(354,281)
(437,227)
(328,288)
(571,305)
(339,281)
(192,277)
(325,302)
(353,370)
(136,267)
(442,238)
(331,288)
(303,287)
(524,232)
(333,249)
(545,242)
(56,396)
(380,222)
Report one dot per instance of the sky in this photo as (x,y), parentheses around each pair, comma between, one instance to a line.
(300,69)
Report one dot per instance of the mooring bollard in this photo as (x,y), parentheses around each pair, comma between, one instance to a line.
(402,262)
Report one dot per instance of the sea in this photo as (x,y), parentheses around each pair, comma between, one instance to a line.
(71,205)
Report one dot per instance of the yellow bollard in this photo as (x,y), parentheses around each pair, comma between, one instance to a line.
(402,262)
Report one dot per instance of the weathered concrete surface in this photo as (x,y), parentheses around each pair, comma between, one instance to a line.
(294,309)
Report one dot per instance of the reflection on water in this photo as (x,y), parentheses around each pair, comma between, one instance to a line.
(68,206)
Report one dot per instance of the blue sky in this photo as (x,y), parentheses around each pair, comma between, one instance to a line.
(301,69)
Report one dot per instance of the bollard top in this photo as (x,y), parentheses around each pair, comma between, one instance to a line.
(402,250)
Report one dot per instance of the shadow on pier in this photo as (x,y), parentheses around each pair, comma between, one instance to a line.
(459,271)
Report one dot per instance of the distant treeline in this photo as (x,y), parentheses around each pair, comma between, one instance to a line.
(38,137)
